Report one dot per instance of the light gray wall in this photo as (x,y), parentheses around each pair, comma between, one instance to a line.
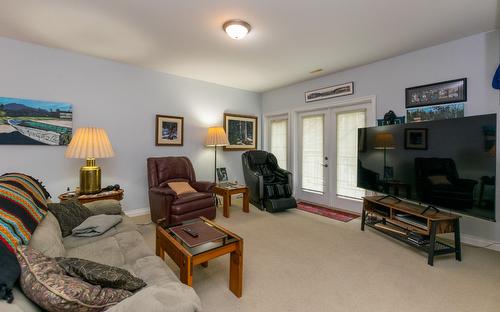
(475,57)
(124,100)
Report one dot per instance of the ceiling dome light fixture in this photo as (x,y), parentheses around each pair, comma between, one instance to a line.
(236,29)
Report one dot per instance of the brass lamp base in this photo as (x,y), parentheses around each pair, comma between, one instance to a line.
(90,178)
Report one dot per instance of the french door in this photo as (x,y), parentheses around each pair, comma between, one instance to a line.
(313,157)
(327,155)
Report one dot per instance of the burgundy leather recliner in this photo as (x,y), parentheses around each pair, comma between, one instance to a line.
(164,202)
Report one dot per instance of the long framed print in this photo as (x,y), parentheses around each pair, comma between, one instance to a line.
(169,130)
(241,132)
(330,92)
(444,92)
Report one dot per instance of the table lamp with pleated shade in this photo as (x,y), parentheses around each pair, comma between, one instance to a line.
(216,137)
(89,144)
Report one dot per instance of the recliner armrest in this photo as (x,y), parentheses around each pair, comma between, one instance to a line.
(163,191)
(467,183)
(203,186)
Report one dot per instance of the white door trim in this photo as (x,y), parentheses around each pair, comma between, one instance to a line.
(293,118)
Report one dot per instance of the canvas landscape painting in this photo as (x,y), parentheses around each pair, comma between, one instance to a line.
(33,122)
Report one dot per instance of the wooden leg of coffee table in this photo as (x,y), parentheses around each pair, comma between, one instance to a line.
(245,201)
(186,271)
(236,270)
(229,200)
(159,250)
(226,205)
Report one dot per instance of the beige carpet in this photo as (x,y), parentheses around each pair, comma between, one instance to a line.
(297,261)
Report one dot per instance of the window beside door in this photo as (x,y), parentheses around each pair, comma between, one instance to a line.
(279,140)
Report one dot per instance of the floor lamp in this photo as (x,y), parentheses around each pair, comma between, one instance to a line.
(216,137)
(384,141)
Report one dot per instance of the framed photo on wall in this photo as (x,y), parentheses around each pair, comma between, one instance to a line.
(444,92)
(416,139)
(169,130)
(241,132)
(330,92)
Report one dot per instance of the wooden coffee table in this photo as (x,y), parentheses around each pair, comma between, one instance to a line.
(227,192)
(186,257)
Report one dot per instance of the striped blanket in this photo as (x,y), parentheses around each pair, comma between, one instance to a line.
(23,205)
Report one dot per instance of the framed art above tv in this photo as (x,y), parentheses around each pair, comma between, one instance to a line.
(450,91)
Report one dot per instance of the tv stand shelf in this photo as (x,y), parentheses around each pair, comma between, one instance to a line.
(406,222)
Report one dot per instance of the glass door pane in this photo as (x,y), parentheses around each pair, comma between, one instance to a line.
(279,138)
(347,152)
(313,154)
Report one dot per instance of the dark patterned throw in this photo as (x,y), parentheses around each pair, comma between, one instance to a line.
(100,274)
(69,214)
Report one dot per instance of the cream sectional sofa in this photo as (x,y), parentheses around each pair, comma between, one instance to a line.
(122,246)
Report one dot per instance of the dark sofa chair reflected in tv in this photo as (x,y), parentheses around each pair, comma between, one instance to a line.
(438,183)
(368,179)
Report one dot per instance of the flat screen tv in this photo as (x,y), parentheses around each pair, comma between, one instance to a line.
(448,164)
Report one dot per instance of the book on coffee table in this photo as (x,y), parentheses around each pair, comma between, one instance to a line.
(206,233)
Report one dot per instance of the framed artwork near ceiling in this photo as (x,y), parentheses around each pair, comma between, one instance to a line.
(241,132)
(444,92)
(169,130)
(35,122)
(330,92)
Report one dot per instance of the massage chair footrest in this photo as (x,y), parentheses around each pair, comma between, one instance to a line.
(280,204)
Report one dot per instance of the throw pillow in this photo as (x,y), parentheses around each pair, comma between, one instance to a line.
(181,188)
(19,217)
(439,179)
(45,283)
(69,214)
(100,274)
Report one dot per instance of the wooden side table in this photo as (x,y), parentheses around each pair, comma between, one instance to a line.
(116,195)
(227,192)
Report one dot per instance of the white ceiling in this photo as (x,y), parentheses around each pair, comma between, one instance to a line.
(289,38)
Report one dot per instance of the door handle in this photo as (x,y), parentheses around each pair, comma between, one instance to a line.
(324,165)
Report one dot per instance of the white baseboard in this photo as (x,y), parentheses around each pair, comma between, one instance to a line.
(137,212)
(480,242)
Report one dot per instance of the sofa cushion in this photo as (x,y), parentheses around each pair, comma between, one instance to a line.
(127,225)
(105,206)
(120,249)
(46,283)
(69,214)
(47,237)
(172,298)
(100,274)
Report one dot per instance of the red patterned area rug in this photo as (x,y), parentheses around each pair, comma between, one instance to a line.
(327,212)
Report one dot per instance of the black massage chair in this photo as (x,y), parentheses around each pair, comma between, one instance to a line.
(270,186)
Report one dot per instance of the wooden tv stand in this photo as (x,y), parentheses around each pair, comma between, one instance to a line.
(402,220)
